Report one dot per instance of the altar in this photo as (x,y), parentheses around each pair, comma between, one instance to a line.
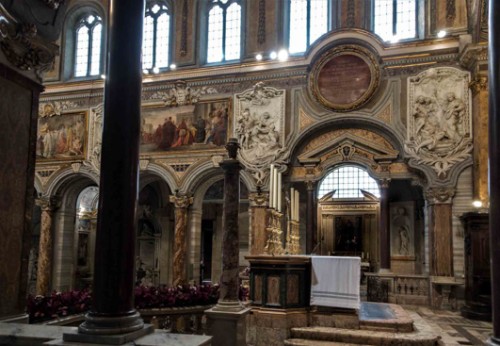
(285,282)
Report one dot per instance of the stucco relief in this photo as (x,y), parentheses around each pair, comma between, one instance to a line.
(439,122)
(95,140)
(259,127)
(182,94)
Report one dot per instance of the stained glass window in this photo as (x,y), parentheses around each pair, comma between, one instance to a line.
(88,46)
(156,36)
(308,21)
(348,181)
(395,19)
(224,30)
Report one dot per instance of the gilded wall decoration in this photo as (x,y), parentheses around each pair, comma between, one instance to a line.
(199,126)
(439,124)
(62,137)
(95,138)
(260,129)
(345,78)
(386,114)
(182,95)
(304,120)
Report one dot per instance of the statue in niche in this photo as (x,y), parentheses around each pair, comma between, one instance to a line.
(402,223)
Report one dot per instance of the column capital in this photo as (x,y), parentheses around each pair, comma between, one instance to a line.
(181,201)
(258,199)
(384,183)
(480,83)
(310,184)
(440,194)
(48,203)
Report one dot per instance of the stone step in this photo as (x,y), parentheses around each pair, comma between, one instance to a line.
(306,342)
(365,337)
(385,318)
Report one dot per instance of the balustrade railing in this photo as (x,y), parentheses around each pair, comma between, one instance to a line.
(398,288)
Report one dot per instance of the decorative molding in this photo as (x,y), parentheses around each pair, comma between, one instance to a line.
(95,139)
(49,109)
(75,166)
(181,201)
(143,164)
(261,31)
(44,173)
(48,203)
(472,55)
(23,47)
(182,94)
(451,11)
(258,199)
(350,23)
(304,120)
(439,122)
(184,29)
(386,114)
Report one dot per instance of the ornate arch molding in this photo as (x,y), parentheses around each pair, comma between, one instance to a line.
(165,174)
(65,177)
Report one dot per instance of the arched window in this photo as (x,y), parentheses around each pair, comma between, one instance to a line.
(308,21)
(156,38)
(88,46)
(347,182)
(395,19)
(224,30)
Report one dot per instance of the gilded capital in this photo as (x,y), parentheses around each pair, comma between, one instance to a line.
(441,194)
(48,203)
(258,199)
(181,201)
(479,84)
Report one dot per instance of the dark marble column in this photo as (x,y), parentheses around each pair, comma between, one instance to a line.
(182,204)
(494,164)
(112,313)
(229,284)
(311,232)
(44,269)
(385,239)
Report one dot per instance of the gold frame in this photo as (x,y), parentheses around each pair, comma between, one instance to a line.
(353,50)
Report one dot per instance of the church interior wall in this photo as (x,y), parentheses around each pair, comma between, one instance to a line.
(383,121)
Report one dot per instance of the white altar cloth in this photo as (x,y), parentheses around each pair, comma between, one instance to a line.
(335,281)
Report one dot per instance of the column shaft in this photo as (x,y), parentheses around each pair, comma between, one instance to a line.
(311,232)
(229,285)
(494,163)
(180,253)
(112,309)
(385,240)
(44,269)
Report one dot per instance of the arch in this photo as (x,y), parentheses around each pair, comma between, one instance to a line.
(167,175)
(65,177)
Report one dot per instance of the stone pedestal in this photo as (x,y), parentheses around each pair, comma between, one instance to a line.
(272,328)
(228,327)
(181,210)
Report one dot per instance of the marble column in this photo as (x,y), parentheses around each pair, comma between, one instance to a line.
(385,238)
(182,204)
(228,316)
(439,204)
(311,212)
(113,318)
(479,88)
(45,246)
(494,164)
(258,215)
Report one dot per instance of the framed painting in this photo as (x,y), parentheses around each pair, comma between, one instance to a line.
(62,136)
(200,126)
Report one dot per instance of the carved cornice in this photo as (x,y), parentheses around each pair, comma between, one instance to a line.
(473,55)
(23,48)
(479,84)
(261,31)
(440,194)
(48,203)
(181,201)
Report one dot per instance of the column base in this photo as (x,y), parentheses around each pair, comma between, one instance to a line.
(228,328)
(110,330)
(384,271)
(228,306)
(492,341)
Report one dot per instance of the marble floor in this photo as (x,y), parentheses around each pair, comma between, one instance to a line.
(453,328)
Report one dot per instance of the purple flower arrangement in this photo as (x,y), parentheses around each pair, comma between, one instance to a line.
(61,304)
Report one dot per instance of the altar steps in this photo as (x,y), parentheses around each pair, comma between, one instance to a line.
(323,336)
